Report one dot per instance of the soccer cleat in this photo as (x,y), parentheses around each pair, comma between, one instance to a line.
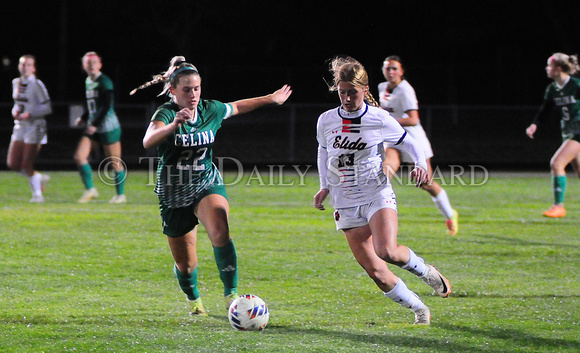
(118,199)
(423,316)
(434,279)
(37,199)
(230,298)
(556,211)
(196,307)
(453,223)
(44,179)
(90,194)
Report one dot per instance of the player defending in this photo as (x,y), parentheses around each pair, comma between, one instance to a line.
(564,94)
(189,186)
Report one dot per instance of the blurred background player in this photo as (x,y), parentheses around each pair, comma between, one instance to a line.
(189,186)
(398,97)
(350,165)
(31,105)
(101,127)
(564,94)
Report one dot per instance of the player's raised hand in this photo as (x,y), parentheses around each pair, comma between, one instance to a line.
(281,95)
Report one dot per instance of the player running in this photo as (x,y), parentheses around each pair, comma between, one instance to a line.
(398,97)
(564,94)
(351,149)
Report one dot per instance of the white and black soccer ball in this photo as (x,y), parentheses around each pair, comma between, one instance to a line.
(248,313)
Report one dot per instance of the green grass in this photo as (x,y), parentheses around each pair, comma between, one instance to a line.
(98,277)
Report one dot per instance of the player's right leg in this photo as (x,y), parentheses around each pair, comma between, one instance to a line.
(184,251)
(81,158)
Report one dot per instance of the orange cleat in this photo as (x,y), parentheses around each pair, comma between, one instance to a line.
(453,223)
(555,211)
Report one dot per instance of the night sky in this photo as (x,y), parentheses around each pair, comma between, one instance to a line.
(464,52)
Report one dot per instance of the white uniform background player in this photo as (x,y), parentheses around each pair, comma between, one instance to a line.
(30,95)
(397,103)
(31,105)
(398,97)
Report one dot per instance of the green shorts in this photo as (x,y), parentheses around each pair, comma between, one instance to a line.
(179,221)
(106,138)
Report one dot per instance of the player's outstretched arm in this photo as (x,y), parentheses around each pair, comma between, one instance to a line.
(247,105)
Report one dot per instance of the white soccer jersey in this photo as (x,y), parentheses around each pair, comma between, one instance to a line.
(352,148)
(397,102)
(30,95)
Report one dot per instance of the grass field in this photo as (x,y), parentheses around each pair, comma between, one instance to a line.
(98,277)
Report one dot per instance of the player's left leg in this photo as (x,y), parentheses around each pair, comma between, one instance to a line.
(363,248)
(567,153)
(441,201)
(212,211)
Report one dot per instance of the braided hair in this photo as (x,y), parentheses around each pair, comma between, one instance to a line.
(177,67)
(350,70)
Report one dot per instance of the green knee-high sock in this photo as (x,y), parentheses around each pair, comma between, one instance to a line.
(559,186)
(120,182)
(187,283)
(226,260)
(86,175)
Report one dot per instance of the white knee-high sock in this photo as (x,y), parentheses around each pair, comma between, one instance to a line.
(416,265)
(404,296)
(443,204)
(34,182)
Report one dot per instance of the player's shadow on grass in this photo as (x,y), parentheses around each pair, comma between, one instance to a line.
(460,294)
(515,339)
(488,239)
(383,342)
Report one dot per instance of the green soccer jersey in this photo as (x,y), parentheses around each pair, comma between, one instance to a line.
(567,100)
(185,167)
(95,91)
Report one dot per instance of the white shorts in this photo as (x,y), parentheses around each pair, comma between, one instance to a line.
(358,216)
(32,132)
(422,141)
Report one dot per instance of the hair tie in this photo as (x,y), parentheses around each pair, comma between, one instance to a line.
(180,70)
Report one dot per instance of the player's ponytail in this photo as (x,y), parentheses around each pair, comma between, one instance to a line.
(350,70)
(177,66)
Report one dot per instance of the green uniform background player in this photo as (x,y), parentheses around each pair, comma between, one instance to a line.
(101,127)
(564,94)
(189,186)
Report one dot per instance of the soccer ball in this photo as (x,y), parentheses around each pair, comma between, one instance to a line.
(248,313)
